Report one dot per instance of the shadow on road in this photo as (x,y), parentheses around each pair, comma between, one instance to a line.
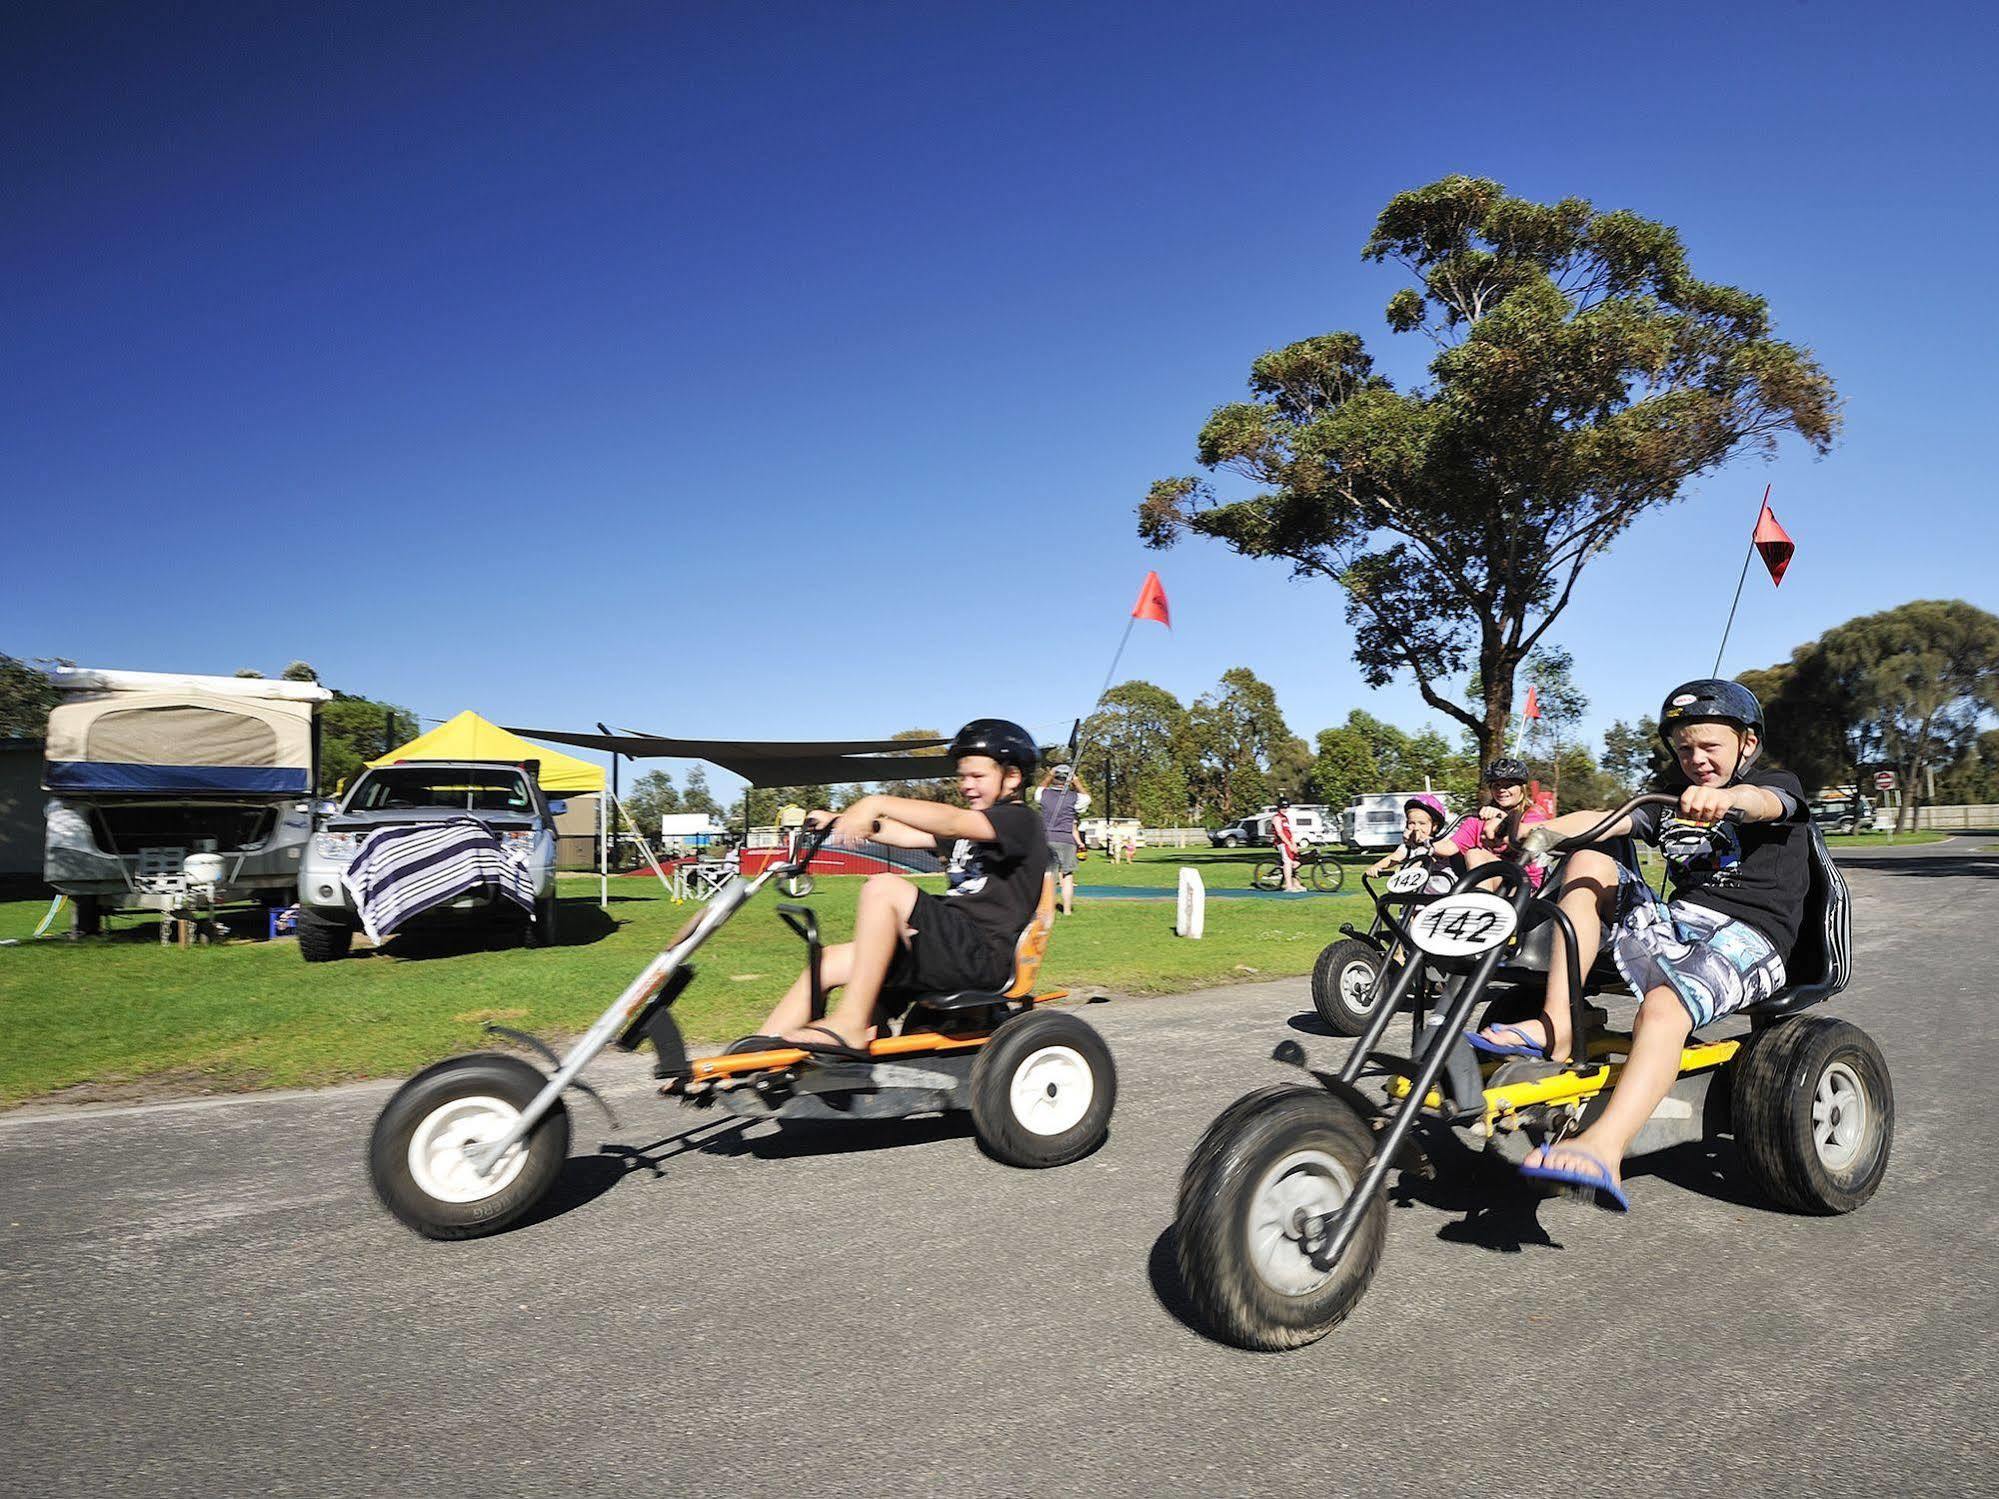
(1930,866)
(1162,1269)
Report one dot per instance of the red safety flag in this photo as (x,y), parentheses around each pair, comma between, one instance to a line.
(1152,602)
(1773,541)
(1533,708)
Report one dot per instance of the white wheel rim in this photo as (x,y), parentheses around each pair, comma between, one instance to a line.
(1357,983)
(437,1159)
(1839,1117)
(1299,1188)
(1052,1089)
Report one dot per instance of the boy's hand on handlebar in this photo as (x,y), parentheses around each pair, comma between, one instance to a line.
(1706,803)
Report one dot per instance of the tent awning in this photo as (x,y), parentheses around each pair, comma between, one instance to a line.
(779,762)
(470,737)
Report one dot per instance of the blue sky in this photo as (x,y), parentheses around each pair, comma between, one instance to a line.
(767,370)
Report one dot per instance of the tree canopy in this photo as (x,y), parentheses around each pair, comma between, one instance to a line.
(1582,376)
(26,696)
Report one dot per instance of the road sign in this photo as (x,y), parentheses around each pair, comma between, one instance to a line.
(1884,780)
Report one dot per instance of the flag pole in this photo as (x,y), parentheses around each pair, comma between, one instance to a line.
(1742,578)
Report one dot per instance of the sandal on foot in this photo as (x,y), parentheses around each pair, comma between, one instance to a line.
(836,1046)
(1588,1180)
(1494,1043)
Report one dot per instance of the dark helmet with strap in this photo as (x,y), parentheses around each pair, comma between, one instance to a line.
(998,739)
(1506,768)
(1713,700)
(1710,700)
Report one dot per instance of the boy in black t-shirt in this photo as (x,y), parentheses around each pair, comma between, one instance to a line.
(995,853)
(1720,945)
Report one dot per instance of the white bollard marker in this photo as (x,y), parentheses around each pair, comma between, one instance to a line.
(1193,904)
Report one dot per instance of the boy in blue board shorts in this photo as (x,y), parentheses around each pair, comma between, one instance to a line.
(1721,943)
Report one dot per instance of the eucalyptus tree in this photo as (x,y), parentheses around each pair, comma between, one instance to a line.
(1583,375)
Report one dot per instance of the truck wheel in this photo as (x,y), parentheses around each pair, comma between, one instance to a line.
(416,1155)
(323,941)
(1274,1160)
(1042,1090)
(1345,981)
(88,916)
(540,931)
(1814,1113)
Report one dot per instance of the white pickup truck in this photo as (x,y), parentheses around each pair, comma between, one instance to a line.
(410,793)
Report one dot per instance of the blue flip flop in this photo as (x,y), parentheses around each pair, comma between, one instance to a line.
(1526,1046)
(1591,1183)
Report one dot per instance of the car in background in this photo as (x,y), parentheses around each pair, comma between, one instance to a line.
(1309,825)
(412,793)
(1843,813)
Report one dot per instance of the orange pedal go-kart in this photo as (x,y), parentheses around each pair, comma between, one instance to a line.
(472,1145)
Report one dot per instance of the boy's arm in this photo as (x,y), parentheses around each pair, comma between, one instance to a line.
(932,819)
(1710,803)
(1555,829)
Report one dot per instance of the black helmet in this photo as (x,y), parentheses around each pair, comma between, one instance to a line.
(1710,700)
(1506,768)
(1000,740)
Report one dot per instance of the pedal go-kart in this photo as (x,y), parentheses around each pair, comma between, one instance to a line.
(1347,975)
(1282,1212)
(471,1146)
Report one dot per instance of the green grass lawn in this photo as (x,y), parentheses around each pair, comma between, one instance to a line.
(121,1016)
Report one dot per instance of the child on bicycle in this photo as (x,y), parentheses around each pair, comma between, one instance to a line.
(1721,943)
(1286,838)
(906,939)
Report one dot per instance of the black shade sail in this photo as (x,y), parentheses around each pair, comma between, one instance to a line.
(777,762)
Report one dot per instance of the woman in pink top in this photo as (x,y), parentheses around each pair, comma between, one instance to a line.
(1495,832)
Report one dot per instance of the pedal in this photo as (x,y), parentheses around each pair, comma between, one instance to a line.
(665,995)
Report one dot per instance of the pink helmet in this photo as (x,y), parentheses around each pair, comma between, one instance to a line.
(1432,804)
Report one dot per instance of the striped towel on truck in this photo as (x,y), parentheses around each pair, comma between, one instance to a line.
(402,872)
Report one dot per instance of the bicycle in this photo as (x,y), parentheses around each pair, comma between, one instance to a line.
(1324,873)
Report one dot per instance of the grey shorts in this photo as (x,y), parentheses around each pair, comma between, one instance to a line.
(1714,963)
(1063,857)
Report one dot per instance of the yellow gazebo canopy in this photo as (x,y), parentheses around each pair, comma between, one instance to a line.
(470,737)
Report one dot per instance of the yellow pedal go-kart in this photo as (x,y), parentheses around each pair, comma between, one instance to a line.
(1282,1211)
(472,1145)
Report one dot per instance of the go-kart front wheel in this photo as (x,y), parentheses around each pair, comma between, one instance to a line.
(1346,981)
(1042,1090)
(417,1159)
(1813,1112)
(1248,1239)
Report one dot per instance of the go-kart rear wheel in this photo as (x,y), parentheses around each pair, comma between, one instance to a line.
(1345,983)
(1813,1112)
(416,1156)
(1042,1090)
(1274,1161)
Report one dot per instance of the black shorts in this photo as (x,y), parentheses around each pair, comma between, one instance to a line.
(949,952)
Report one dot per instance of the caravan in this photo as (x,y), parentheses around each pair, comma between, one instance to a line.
(146,771)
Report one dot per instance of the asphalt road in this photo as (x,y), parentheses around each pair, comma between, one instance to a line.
(204,1298)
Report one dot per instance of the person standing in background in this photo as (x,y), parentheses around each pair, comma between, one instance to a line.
(1062,799)
(1286,839)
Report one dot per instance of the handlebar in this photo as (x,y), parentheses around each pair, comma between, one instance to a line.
(1610,820)
(810,841)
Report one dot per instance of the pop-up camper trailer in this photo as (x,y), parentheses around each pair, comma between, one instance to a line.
(145,769)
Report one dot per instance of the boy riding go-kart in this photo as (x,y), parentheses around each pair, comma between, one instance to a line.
(1282,1212)
(472,1145)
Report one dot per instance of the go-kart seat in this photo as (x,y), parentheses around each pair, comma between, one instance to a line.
(1821,963)
(1028,950)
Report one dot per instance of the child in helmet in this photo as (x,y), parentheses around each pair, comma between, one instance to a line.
(906,939)
(1718,946)
(1506,812)
(1423,819)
